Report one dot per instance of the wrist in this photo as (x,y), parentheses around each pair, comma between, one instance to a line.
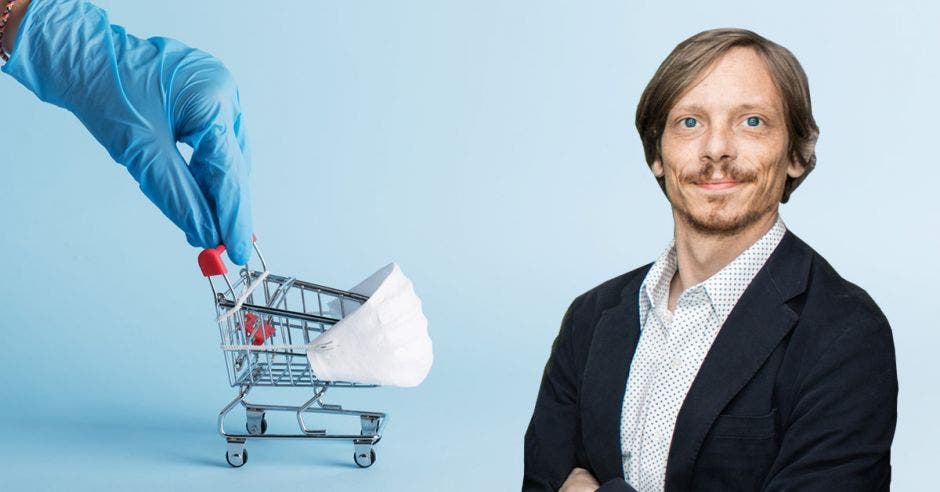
(13,23)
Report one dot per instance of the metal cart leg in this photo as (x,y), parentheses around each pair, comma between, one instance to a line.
(364,454)
(305,408)
(370,425)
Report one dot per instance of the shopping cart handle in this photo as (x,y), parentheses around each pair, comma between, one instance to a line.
(210,260)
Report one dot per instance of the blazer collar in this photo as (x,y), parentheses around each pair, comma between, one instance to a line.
(754,327)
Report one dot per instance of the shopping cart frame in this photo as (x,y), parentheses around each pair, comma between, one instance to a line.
(251,353)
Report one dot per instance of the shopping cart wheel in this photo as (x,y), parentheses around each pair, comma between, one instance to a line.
(252,427)
(255,423)
(236,455)
(237,460)
(363,459)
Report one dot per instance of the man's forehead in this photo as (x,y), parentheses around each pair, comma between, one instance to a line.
(738,80)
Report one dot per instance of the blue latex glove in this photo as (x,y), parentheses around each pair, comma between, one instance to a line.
(138,97)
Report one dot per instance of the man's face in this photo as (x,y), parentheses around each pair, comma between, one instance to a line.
(724,148)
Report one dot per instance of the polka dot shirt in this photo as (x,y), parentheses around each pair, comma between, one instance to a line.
(670,351)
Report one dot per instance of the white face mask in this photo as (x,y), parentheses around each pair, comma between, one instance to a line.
(384,341)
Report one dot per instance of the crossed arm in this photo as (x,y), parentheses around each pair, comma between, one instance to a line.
(553,439)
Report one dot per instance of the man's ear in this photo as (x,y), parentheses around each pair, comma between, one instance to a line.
(795,169)
(657,168)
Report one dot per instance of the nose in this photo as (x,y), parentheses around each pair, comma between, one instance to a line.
(719,145)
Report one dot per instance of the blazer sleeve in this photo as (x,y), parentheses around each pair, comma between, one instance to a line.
(553,440)
(554,432)
(843,420)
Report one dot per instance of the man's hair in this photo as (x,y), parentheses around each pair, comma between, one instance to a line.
(687,64)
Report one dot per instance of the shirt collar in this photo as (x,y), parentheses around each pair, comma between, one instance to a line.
(654,291)
(724,288)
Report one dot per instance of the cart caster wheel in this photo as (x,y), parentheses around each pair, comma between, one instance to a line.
(255,423)
(237,459)
(364,460)
(252,428)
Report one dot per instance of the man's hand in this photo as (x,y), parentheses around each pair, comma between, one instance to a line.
(579,480)
(138,97)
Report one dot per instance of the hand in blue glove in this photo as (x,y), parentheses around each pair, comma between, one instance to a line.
(138,97)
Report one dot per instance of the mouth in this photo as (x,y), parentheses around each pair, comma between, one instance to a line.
(717,185)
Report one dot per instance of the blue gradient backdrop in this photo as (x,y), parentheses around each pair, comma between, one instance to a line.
(488,147)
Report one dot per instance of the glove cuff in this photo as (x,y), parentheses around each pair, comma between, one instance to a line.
(5,12)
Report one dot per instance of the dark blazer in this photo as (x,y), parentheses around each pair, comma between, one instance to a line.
(798,391)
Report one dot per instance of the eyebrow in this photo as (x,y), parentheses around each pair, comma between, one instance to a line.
(696,108)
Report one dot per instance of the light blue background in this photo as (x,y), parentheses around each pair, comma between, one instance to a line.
(488,147)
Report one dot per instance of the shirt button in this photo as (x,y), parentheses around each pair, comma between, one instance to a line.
(675,364)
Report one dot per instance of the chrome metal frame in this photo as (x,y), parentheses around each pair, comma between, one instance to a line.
(277,320)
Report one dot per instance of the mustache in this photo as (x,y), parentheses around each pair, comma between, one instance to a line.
(728,171)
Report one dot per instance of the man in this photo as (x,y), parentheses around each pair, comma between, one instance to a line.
(739,360)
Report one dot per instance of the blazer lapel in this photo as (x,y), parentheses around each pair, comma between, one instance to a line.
(755,326)
(605,379)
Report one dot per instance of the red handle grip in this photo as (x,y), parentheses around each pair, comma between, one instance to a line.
(210,260)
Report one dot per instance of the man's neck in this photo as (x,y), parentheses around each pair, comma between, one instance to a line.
(699,256)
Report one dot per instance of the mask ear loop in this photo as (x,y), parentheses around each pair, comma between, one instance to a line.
(243,296)
(211,264)
(276,348)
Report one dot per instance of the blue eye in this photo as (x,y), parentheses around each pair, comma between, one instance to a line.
(689,122)
(753,121)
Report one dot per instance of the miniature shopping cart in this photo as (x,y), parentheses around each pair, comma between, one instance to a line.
(266,322)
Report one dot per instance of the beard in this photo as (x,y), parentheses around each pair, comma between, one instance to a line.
(714,222)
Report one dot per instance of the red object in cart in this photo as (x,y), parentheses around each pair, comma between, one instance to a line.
(257,334)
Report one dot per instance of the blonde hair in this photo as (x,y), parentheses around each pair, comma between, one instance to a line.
(689,61)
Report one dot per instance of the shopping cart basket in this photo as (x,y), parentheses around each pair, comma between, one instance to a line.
(266,322)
